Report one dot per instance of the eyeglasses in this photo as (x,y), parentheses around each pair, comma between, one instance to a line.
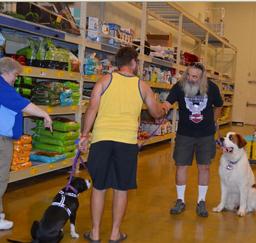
(198,65)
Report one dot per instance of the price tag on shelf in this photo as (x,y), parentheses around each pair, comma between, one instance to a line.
(27,70)
(42,72)
(52,166)
(49,109)
(33,171)
(58,19)
(60,74)
(73,107)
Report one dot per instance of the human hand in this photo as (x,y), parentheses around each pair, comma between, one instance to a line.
(166,106)
(83,143)
(48,122)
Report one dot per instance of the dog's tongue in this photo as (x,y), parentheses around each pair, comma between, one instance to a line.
(227,150)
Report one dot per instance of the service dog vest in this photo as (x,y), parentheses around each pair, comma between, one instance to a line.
(119,110)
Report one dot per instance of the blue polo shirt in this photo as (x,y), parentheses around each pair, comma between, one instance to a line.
(11,106)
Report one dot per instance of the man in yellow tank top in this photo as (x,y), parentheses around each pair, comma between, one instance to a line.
(113,113)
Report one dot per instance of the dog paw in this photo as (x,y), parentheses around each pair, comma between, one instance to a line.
(241,213)
(217,209)
(74,235)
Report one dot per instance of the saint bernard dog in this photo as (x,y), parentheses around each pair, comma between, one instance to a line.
(238,192)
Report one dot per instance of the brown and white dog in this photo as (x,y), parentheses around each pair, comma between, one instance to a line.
(237,179)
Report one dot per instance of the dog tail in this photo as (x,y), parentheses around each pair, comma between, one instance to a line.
(34,230)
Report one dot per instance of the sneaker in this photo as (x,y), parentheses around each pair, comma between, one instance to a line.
(201,209)
(5,224)
(178,208)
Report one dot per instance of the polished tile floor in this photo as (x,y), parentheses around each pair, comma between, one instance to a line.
(147,219)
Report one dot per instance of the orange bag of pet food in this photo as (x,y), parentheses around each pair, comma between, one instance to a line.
(17,142)
(17,148)
(27,147)
(26,139)
(21,166)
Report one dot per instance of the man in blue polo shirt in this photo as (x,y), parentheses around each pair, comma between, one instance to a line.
(12,105)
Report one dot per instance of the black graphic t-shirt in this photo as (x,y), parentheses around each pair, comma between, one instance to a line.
(196,114)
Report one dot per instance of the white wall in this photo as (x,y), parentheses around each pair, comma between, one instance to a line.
(240,25)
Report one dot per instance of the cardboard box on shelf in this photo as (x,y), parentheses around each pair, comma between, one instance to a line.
(162,40)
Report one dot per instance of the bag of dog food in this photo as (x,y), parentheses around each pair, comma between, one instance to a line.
(50,140)
(53,148)
(47,157)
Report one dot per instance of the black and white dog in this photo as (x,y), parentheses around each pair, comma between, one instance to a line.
(63,207)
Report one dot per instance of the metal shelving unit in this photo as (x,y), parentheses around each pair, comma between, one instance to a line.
(157,139)
(39,169)
(50,73)
(169,13)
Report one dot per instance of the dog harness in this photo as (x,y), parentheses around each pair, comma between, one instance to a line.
(62,201)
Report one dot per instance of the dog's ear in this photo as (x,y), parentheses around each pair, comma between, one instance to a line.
(240,141)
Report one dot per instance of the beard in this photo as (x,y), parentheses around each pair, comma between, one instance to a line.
(190,89)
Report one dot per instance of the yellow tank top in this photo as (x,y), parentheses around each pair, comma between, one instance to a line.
(119,111)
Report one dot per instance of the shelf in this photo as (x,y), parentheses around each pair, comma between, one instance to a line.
(100,46)
(38,29)
(227,92)
(50,73)
(227,82)
(220,123)
(58,110)
(157,139)
(38,169)
(160,85)
(227,104)
(169,13)
(92,78)
(157,61)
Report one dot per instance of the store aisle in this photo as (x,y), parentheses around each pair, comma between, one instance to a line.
(148,219)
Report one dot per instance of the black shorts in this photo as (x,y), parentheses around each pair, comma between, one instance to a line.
(185,147)
(113,165)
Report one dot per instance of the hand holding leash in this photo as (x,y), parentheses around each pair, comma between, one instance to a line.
(83,143)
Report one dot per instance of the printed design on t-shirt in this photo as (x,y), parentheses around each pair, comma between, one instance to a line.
(196,105)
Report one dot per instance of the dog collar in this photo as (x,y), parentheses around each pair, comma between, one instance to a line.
(231,164)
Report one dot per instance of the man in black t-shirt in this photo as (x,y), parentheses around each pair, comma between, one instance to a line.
(200,105)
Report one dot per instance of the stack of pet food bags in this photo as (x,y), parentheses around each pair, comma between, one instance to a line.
(251,148)
(46,93)
(23,85)
(70,94)
(21,153)
(56,145)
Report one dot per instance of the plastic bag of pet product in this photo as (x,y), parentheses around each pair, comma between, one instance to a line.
(57,135)
(53,141)
(65,98)
(71,85)
(26,139)
(61,124)
(53,148)
(70,154)
(47,157)
(17,167)
(64,124)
